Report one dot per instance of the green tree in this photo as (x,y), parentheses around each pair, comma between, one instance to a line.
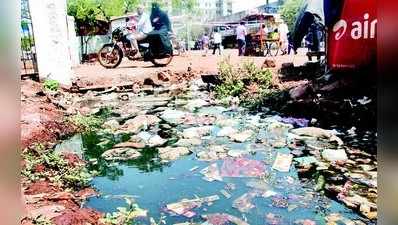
(289,12)
(90,10)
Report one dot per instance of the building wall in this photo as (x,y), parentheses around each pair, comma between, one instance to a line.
(51,39)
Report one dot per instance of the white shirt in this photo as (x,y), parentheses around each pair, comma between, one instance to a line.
(283,30)
(217,38)
(144,24)
(241,32)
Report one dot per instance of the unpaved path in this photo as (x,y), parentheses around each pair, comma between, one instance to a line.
(95,74)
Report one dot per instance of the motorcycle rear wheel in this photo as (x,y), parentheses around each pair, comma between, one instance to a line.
(164,61)
(110,56)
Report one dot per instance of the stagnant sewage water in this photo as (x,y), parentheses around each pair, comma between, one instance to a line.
(272,198)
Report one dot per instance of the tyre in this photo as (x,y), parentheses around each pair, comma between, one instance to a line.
(163,61)
(274,48)
(110,56)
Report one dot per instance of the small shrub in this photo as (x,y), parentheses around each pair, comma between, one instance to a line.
(54,168)
(87,123)
(51,85)
(124,215)
(250,83)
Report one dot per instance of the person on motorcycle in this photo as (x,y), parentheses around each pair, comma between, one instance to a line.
(158,38)
(143,27)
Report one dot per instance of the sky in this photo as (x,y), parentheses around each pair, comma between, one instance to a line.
(241,5)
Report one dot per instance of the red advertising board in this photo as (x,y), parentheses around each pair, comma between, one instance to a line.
(352,42)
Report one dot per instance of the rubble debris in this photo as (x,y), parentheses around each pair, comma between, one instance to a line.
(334,155)
(268,63)
(316,132)
(196,132)
(226,131)
(241,136)
(188,142)
(121,154)
(130,144)
(172,153)
(164,76)
(297,122)
(173,116)
(140,122)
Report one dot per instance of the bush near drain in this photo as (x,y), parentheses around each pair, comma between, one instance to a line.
(41,164)
(51,85)
(239,82)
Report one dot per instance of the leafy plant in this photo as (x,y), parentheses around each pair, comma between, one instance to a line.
(87,123)
(41,220)
(289,12)
(53,167)
(124,215)
(51,85)
(250,83)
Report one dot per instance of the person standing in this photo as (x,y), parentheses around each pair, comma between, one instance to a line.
(217,42)
(205,44)
(283,40)
(241,33)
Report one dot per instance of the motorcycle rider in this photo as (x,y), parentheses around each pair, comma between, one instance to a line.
(143,27)
(159,37)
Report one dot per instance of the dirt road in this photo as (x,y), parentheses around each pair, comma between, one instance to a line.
(95,74)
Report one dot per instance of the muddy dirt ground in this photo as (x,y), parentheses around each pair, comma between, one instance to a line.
(94,74)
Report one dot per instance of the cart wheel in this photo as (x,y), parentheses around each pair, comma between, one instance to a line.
(274,48)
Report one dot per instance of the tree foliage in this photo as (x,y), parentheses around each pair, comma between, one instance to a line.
(289,12)
(90,10)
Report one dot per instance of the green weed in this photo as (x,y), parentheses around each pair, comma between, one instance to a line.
(51,85)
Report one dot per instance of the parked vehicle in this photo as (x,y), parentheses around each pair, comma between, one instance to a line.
(111,55)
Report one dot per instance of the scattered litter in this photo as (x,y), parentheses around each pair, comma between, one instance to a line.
(185,206)
(222,219)
(282,162)
(243,203)
(226,194)
(211,173)
(305,161)
(242,167)
(364,101)
(194,168)
(294,121)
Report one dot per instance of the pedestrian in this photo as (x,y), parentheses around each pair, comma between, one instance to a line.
(241,33)
(205,44)
(217,39)
(283,30)
(290,44)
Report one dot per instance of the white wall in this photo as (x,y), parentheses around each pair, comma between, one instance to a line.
(51,39)
(73,40)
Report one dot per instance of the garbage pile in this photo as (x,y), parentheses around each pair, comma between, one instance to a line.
(281,160)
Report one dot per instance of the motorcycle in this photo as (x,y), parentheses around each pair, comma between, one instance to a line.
(111,55)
